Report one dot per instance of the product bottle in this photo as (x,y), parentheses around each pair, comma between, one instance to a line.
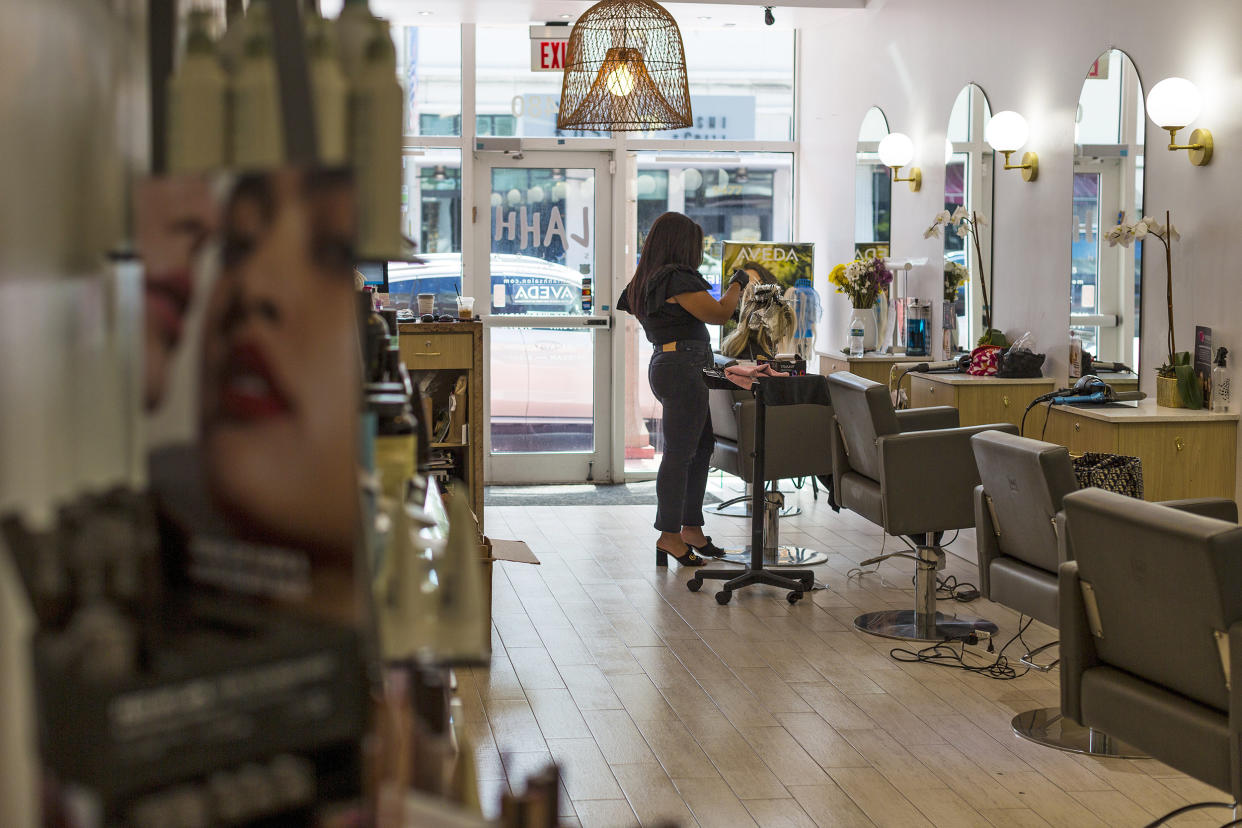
(233,41)
(464,629)
(857,333)
(1075,356)
(197,137)
(1222,381)
(19,754)
(257,139)
(395,448)
(375,137)
(353,32)
(329,91)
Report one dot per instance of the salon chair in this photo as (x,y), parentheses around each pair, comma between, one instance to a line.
(797,444)
(733,413)
(1150,611)
(913,473)
(1023,483)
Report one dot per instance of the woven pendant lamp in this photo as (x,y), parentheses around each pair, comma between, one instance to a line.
(625,70)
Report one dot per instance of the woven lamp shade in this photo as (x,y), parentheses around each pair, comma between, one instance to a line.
(625,70)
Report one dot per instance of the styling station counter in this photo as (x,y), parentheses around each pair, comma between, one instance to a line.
(872,365)
(979,400)
(1185,453)
(1119,382)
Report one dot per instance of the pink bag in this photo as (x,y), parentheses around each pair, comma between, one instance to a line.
(984,361)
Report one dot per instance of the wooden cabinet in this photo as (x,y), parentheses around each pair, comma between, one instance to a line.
(979,400)
(1184,453)
(438,355)
(875,367)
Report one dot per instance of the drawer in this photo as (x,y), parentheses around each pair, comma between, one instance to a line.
(924,393)
(1077,433)
(421,351)
(984,402)
(1183,459)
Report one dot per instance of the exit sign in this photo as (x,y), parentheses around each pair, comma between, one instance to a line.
(548,47)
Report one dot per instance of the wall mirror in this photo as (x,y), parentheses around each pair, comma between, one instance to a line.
(1106,282)
(967,183)
(873,191)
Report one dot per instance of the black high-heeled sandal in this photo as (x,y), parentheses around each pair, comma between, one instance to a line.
(689,558)
(708,550)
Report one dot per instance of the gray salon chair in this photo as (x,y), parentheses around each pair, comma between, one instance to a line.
(732,425)
(798,444)
(1150,612)
(1023,483)
(913,473)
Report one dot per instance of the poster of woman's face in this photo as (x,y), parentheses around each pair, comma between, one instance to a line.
(277,367)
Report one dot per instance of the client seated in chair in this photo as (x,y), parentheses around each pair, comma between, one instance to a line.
(913,473)
(1151,615)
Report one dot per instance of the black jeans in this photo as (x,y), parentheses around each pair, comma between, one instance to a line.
(677,381)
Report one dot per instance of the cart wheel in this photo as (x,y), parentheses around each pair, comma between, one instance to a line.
(694,584)
(793,597)
(723,596)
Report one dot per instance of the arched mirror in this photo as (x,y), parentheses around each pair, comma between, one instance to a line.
(873,196)
(1106,282)
(967,184)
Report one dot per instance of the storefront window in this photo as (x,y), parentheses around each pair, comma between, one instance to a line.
(429,68)
(431,217)
(741,86)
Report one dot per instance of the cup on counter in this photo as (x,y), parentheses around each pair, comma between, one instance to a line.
(426,303)
(465,307)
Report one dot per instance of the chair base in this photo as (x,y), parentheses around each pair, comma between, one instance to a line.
(740,507)
(798,582)
(904,625)
(779,558)
(1046,726)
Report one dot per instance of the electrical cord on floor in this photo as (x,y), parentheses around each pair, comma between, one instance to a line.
(858,571)
(950,588)
(1185,809)
(943,654)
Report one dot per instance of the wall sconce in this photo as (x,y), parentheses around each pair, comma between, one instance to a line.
(896,150)
(1006,132)
(1172,104)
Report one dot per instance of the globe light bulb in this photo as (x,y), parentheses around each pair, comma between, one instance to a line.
(1006,131)
(1174,102)
(620,82)
(896,150)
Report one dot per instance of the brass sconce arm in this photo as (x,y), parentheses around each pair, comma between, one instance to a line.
(1200,146)
(915,178)
(1029,165)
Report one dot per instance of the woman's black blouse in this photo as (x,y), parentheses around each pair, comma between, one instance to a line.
(668,321)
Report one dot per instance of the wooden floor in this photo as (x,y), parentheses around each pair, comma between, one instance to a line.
(663,707)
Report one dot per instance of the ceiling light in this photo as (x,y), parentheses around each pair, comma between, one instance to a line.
(426,13)
(704,17)
(566,16)
(625,70)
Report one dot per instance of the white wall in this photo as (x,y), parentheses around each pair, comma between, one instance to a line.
(912,57)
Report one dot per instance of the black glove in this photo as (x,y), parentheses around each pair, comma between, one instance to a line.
(740,278)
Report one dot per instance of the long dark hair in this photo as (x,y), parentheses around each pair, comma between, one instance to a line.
(674,239)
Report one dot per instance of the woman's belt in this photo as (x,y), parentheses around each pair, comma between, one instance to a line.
(683,345)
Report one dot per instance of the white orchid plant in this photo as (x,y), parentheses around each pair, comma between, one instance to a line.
(966,223)
(1178,365)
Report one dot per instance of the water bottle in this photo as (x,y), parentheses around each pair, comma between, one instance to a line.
(857,334)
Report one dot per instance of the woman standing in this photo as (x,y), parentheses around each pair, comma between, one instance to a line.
(672,302)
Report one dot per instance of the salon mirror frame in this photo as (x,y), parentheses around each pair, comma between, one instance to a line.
(873,188)
(1106,283)
(969,181)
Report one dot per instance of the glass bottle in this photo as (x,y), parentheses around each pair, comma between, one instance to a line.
(1222,381)
(857,332)
(196,103)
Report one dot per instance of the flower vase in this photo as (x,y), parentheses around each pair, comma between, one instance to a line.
(1167,395)
(864,319)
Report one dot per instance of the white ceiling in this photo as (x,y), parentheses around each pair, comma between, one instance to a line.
(688,13)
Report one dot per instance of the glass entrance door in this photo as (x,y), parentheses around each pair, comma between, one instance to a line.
(543,270)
